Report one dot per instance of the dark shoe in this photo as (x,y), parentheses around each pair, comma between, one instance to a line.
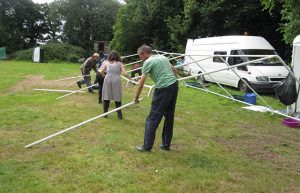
(142,149)
(120,115)
(164,148)
(79,85)
(91,91)
(99,102)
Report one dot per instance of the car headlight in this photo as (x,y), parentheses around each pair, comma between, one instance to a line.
(262,78)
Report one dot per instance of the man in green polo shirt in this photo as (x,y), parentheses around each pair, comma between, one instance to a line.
(164,98)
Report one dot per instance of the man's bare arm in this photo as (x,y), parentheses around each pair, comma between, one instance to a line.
(140,87)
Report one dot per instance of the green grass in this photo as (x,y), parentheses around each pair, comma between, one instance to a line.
(217,146)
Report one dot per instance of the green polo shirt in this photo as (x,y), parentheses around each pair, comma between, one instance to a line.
(160,71)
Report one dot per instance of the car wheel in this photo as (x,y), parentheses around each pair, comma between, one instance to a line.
(243,87)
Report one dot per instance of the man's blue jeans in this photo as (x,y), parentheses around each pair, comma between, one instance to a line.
(163,105)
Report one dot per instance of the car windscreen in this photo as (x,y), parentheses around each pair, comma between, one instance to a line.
(266,62)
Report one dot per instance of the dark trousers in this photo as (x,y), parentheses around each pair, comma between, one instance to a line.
(139,72)
(106,106)
(163,105)
(86,80)
(99,79)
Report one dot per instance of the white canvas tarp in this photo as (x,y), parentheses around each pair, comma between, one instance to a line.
(296,68)
(36,54)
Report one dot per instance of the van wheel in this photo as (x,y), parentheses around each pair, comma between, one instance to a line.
(243,87)
(201,79)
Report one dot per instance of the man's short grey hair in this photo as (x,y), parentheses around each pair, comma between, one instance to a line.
(143,49)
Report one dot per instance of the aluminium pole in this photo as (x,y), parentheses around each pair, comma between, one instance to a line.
(79,124)
(76,91)
(55,90)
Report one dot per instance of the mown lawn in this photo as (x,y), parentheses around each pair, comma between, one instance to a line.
(217,145)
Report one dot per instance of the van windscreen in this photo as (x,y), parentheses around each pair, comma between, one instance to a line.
(266,62)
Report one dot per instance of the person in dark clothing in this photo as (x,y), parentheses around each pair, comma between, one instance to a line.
(86,67)
(164,98)
(99,79)
(136,69)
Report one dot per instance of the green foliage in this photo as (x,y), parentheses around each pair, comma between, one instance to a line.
(226,17)
(88,20)
(53,20)
(21,24)
(55,52)
(144,22)
(178,30)
(24,54)
(166,25)
(126,39)
(290,16)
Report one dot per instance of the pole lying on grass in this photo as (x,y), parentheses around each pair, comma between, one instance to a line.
(73,82)
(68,78)
(76,91)
(82,123)
(54,90)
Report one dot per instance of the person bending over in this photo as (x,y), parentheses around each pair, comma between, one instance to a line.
(112,86)
(89,64)
(164,97)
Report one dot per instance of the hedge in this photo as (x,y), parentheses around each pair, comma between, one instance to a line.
(54,52)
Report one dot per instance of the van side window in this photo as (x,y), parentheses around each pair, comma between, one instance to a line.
(218,59)
(234,60)
(237,60)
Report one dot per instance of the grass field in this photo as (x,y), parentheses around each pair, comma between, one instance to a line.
(217,145)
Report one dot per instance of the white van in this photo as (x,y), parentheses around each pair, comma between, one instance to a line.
(261,76)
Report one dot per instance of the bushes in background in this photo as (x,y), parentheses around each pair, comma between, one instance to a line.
(54,52)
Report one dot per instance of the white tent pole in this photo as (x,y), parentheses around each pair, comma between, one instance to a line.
(221,69)
(145,85)
(73,82)
(169,52)
(134,78)
(68,78)
(55,90)
(134,69)
(76,91)
(211,77)
(150,91)
(247,85)
(142,61)
(128,56)
(290,71)
(82,123)
(270,110)
(133,62)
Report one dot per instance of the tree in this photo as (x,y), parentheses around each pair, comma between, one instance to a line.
(203,18)
(53,20)
(290,17)
(21,24)
(144,21)
(88,20)
(166,24)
